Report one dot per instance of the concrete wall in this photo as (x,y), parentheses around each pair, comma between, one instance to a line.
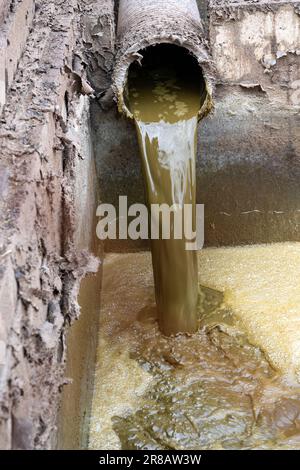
(249,149)
(81,339)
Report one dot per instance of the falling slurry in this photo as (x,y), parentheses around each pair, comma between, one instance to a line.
(165,94)
(213,389)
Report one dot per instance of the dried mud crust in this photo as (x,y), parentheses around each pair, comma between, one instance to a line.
(226,6)
(213,390)
(218,11)
(40,268)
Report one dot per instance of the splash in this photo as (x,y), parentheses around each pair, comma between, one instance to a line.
(165,95)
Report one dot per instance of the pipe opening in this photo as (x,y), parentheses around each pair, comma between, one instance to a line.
(165,92)
(166,71)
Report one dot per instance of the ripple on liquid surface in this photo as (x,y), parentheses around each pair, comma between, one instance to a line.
(213,389)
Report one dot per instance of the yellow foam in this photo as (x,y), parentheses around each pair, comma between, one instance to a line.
(261,284)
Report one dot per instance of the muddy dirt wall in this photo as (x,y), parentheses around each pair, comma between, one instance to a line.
(48,198)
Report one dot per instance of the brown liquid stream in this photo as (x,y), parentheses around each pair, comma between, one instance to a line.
(165,96)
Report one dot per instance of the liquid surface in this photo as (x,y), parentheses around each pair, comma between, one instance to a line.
(165,95)
(211,390)
(262,285)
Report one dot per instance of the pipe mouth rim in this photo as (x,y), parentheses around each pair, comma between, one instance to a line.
(132,54)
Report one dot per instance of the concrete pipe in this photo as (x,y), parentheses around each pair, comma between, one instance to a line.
(145,23)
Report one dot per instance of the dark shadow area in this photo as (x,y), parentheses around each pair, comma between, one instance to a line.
(168,59)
